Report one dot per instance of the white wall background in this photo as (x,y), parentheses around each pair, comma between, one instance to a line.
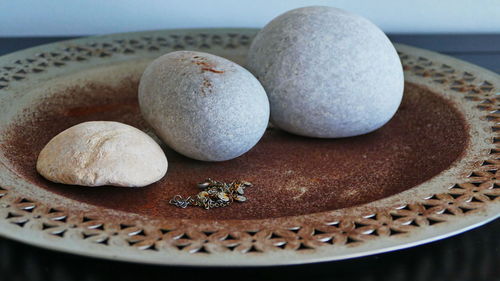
(84,17)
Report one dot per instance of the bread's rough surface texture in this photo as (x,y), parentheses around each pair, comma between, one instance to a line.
(203,106)
(328,73)
(102,153)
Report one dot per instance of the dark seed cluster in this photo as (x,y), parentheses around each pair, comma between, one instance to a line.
(214,194)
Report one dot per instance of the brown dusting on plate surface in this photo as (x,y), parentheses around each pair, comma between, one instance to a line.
(292,175)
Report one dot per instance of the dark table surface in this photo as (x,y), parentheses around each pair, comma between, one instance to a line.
(474,255)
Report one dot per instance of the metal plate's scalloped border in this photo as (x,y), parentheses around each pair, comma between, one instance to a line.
(460,198)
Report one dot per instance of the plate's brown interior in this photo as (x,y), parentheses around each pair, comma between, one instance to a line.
(292,175)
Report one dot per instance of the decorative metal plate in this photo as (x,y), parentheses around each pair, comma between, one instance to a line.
(463,196)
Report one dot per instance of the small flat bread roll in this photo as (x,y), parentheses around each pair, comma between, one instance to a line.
(102,153)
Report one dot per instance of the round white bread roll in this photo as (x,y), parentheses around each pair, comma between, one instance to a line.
(102,153)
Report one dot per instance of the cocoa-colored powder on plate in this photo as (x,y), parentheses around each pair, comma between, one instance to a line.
(292,175)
